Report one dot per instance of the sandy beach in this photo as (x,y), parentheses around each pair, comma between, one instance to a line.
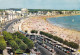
(39,23)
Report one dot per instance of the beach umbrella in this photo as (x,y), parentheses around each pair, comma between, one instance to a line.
(47,28)
(68,52)
(79,51)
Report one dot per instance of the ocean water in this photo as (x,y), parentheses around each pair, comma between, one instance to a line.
(70,22)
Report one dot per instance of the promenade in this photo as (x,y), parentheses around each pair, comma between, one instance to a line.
(5,52)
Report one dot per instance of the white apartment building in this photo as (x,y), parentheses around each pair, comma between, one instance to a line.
(55,12)
(63,12)
(48,13)
(77,12)
(40,13)
(18,14)
(24,12)
(3,19)
(30,14)
(73,12)
(11,14)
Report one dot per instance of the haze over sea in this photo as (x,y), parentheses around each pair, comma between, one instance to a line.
(70,22)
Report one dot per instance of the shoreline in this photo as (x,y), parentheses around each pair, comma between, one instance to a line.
(61,26)
(43,25)
(62,16)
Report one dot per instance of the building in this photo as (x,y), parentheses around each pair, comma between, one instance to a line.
(77,12)
(10,14)
(3,19)
(18,14)
(48,13)
(63,12)
(73,12)
(30,14)
(55,13)
(40,13)
(24,12)
(66,12)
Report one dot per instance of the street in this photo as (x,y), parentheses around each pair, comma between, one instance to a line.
(10,23)
(42,50)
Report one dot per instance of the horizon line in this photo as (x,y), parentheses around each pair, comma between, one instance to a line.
(40,8)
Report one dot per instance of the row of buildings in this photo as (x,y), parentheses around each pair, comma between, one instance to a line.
(49,13)
(8,15)
(61,12)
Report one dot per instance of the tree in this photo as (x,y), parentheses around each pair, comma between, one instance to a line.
(34,31)
(4,33)
(22,38)
(19,35)
(18,41)
(14,37)
(25,31)
(30,45)
(23,46)
(66,42)
(2,43)
(58,39)
(28,42)
(13,45)
(73,45)
(7,36)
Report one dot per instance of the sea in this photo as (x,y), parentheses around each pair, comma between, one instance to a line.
(69,22)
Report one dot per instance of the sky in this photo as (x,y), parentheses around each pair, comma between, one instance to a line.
(41,4)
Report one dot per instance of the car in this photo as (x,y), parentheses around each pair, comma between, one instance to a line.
(36,50)
(54,42)
(48,48)
(52,50)
(53,53)
(40,43)
(45,46)
(49,41)
(4,28)
(58,46)
(24,54)
(63,49)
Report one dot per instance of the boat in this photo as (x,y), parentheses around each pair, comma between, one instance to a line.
(72,20)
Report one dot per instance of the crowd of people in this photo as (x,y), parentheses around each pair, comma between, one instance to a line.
(41,24)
